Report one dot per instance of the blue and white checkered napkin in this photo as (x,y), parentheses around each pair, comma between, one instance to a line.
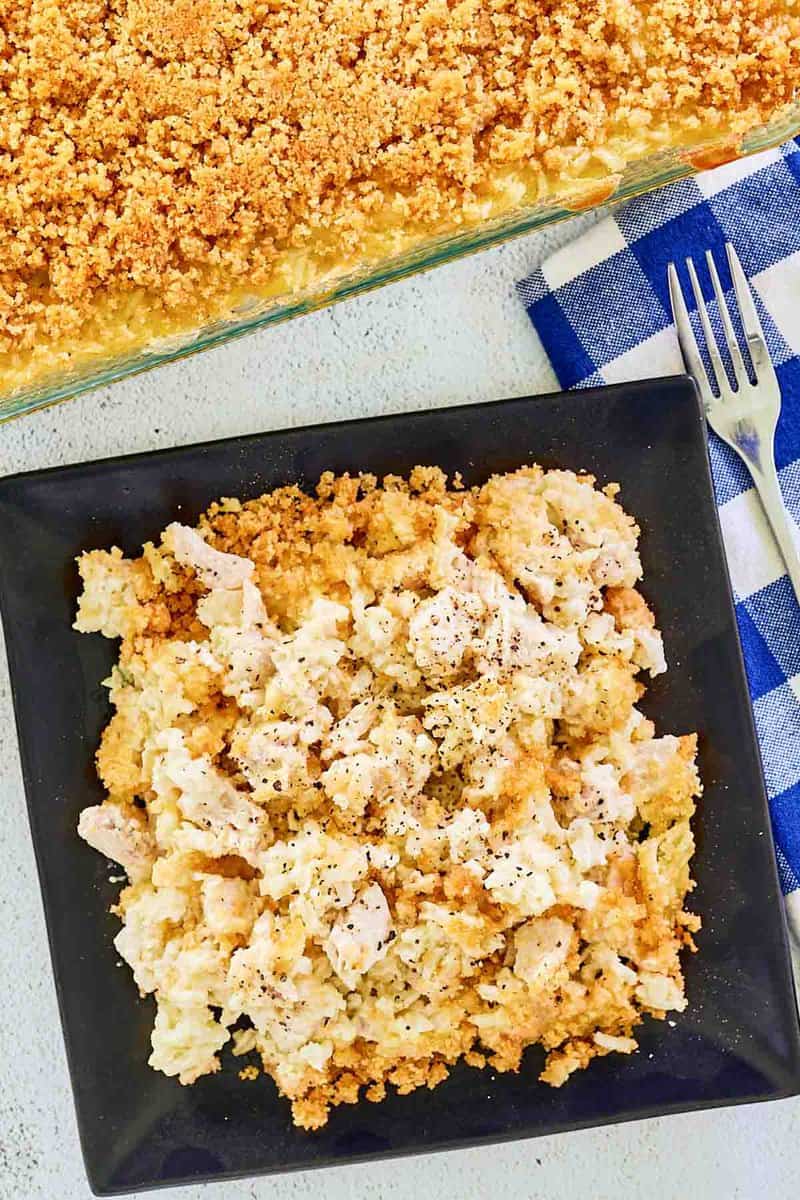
(601,308)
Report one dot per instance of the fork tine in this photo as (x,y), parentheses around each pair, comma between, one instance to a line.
(739,369)
(753,332)
(711,340)
(686,339)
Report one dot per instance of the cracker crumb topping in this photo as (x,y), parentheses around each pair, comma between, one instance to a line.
(162,159)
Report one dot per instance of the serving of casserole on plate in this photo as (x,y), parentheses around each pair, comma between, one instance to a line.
(175,171)
(381,785)
(347,902)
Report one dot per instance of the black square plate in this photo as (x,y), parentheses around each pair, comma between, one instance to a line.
(737,1041)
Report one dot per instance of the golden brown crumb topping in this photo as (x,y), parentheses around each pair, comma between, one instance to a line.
(173,148)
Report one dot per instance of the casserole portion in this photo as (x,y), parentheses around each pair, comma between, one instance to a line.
(381,787)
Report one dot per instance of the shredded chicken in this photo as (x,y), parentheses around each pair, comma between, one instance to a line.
(216,570)
(121,836)
(359,935)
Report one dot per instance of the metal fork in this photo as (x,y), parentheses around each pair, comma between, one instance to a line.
(744,416)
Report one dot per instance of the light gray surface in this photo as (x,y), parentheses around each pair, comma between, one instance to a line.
(456,335)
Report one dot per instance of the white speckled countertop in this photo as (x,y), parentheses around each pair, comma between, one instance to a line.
(455,335)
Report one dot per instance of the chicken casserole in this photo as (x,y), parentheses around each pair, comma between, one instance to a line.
(380,784)
(165,164)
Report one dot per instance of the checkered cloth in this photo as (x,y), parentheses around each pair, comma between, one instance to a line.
(601,308)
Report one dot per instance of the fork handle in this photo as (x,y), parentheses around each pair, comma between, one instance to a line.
(786,531)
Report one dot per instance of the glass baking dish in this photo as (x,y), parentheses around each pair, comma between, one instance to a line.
(640,176)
